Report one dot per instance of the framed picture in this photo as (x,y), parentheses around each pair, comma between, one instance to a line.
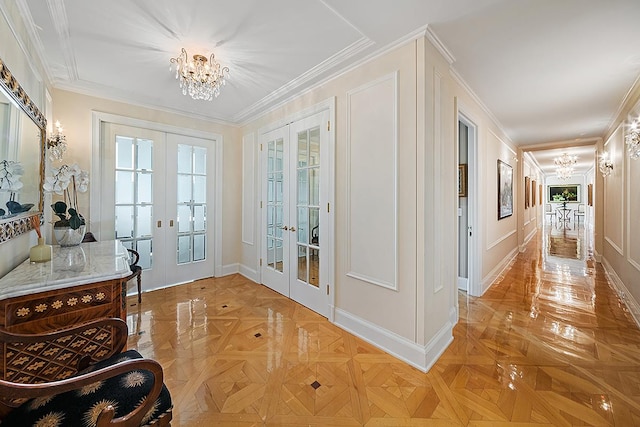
(564,193)
(540,194)
(505,190)
(527,184)
(590,194)
(533,192)
(462,180)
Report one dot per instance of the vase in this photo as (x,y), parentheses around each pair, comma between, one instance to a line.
(67,236)
(40,252)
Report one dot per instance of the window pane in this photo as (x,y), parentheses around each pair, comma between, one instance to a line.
(279,255)
(303,187)
(271,257)
(302,263)
(184,158)
(145,154)
(271,155)
(314,147)
(199,218)
(124,152)
(145,191)
(303,226)
(124,222)
(314,267)
(314,185)
(199,189)
(279,155)
(144,248)
(184,249)
(184,188)
(144,218)
(184,218)
(124,187)
(314,225)
(200,160)
(303,151)
(198,247)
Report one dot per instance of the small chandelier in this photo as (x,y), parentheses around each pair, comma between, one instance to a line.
(57,144)
(564,165)
(633,140)
(199,77)
(606,164)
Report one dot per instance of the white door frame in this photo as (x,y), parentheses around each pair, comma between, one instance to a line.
(474,257)
(330,105)
(96,206)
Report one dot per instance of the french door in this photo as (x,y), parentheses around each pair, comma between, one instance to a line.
(159,187)
(295,211)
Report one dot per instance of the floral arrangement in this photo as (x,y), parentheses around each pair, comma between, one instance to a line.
(67,181)
(10,173)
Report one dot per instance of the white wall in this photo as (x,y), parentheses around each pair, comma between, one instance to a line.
(621,209)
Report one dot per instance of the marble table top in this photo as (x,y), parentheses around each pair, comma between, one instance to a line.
(69,266)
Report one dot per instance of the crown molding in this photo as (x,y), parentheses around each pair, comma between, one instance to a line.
(435,41)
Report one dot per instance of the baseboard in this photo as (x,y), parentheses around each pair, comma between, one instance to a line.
(498,270)
(249,273)
(230,269)
(420,357)
(622,291)
(463,284)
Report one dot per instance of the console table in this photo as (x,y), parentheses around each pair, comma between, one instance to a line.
(79,283)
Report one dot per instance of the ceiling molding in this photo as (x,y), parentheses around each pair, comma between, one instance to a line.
(59,17)
(581,142)
(435,41)
(315,72)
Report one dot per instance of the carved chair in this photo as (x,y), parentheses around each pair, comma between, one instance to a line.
(136,271)
(78,377)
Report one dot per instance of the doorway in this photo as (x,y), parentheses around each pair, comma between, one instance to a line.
(295,253)
(158,194)
(468,257)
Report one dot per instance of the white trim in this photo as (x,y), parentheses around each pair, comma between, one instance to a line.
(527,239)
(249,273)
(334,61)
(437,282)
(394,255)
(463,283)
(420,357)
(437,43)
(248,188)
(614,246)
(501,239)
(622,291)
(95,209)
(498,270)
(230,269)
(634,263)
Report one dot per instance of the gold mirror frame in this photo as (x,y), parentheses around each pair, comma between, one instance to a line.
(14,226)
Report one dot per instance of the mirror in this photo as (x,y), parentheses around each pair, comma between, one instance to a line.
(22,151)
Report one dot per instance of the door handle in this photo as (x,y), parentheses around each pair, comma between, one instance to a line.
(285,228)
(292,228)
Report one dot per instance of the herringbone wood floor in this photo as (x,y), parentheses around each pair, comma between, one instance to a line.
(549,344)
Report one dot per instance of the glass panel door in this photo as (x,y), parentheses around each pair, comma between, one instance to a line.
(275,265)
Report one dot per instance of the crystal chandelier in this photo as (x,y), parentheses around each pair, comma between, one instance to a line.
(57,144)
(564,165)
(605,164)
(199,77)
(633,140)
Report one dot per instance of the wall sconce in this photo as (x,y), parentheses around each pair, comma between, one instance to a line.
(606,164)
(633,140)
(57,144)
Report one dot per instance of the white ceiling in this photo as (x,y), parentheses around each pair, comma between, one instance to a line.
(548,70)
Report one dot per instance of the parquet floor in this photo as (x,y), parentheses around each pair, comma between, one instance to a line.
(549,344)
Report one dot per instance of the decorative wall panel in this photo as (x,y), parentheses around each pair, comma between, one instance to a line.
(372,193)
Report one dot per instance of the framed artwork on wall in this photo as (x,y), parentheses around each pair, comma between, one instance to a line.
(564,193)
(527,182)
(462,180)
(590,194)
(533,192)
(505,190)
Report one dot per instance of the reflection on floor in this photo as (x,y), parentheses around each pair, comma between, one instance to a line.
(549,344)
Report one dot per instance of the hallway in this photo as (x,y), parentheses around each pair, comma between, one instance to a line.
(548,344)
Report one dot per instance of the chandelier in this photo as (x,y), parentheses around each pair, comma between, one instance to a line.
(57,144)
(633,140)
(199,77)
(606,164)
(564,165)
